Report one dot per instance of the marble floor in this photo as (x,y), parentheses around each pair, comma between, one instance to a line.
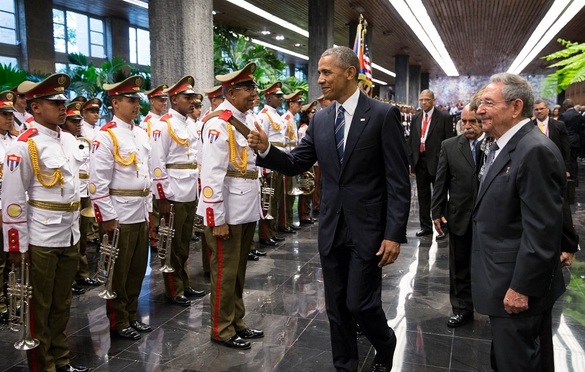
(284,297)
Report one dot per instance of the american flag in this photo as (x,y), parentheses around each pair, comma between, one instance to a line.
(361,50)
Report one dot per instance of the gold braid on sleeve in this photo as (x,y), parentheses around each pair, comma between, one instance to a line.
(34,157)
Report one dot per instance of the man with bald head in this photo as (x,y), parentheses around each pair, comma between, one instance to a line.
(453,199)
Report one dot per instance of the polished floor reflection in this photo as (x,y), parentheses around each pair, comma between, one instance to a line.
(284,297)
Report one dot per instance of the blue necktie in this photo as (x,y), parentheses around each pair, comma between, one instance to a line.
(339,132)
(474,151)
(489,160)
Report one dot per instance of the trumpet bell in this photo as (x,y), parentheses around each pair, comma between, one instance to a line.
(87,212)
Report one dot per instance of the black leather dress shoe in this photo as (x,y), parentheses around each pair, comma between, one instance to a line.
(88,281)
(441,236)
(191,292)
(252,257)
(140,327)
(4,316)
(250,333)
(256,252)
(129,333)
(307,221)
(458,320)
(424,232)
(296,228)
(77,289)
(181,301)
(277,238)
(234,342)
(385,364)
(72,368)
(268,242)
(207,274)
(287,230)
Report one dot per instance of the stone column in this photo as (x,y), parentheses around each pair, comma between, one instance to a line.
(36,23)
(321,15)
(413,84)
(181,42)
(424,80)
(401,85)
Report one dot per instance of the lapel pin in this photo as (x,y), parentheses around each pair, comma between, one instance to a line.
(362,119)
(507,170)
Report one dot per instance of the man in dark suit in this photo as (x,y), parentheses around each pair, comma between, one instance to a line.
(453,201)
(575,123)
(365,203)
(517,225)
(428,129)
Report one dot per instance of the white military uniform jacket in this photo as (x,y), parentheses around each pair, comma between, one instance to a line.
(106,173)
(149,122)
(169,182)
(6,141)
(227,200)
(291,139)
(22,121)
(273,124)
(25,224)
(89,131)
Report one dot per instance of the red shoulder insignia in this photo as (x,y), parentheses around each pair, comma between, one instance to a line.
(147,118)
(27,134)
(287,117)
(111,124)
(30,119)
(225,115)
(166,117)
(264,110)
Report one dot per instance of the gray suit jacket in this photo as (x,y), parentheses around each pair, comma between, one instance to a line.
(517,225)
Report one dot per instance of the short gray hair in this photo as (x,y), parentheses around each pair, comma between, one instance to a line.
(344,58)
(516,87)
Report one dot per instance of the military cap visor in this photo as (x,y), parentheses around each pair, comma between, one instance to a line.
(157,92)
(7,99)
(240,77)
(213,92)
(128,88)
(183,86)
(74,110)
(94,103)
(52,88)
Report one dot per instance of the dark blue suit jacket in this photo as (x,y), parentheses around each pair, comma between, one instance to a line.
(372,187)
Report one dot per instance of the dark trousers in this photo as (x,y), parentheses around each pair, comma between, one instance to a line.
(522,343)
(353,288)
(574,165)
(460,272)
(177,281)
(424,186)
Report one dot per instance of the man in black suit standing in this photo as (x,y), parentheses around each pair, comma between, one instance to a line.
(428,129)
(575,123)
(453,201)
(365,203)
(517,225)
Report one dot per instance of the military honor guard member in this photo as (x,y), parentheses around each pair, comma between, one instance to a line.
(174,168)
(158,100)
(230,206)
(215,98)
(91,115)
(272,123)
(22,118)
(7,99)
(40,218)
(119,188)
(295,102)
(73,125)
(305,201)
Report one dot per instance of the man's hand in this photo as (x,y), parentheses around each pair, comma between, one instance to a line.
(16,258)
(221,231)
(389,251)
(567,258)
(257,139)
(164,207)
(109,226)
(439,222)
(514,302)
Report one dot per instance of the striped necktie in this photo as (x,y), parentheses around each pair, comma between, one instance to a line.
(339,132)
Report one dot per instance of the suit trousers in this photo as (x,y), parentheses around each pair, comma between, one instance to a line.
(460,272)
(178,280)
(52,271)
(522,343)
(267,228)
(129,271)
(229,258)
(424,186)
(353,288)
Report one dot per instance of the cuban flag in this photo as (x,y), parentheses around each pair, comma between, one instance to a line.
(13,161)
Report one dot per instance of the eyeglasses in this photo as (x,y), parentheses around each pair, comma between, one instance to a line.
(490,103)
(247,88)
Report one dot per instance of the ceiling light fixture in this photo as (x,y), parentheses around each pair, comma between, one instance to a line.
(560,13)
(286,51)
(382,69)
(279,37)
(379,82)
(265,32)
(137,3)
(272,18)
(415,15)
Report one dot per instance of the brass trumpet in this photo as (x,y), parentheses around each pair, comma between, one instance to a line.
(21,293)
(105,270)
(165,240)
(267,195)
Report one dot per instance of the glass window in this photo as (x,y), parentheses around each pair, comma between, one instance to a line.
(139,46)
(9,61)
(78,33)
(8,22)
